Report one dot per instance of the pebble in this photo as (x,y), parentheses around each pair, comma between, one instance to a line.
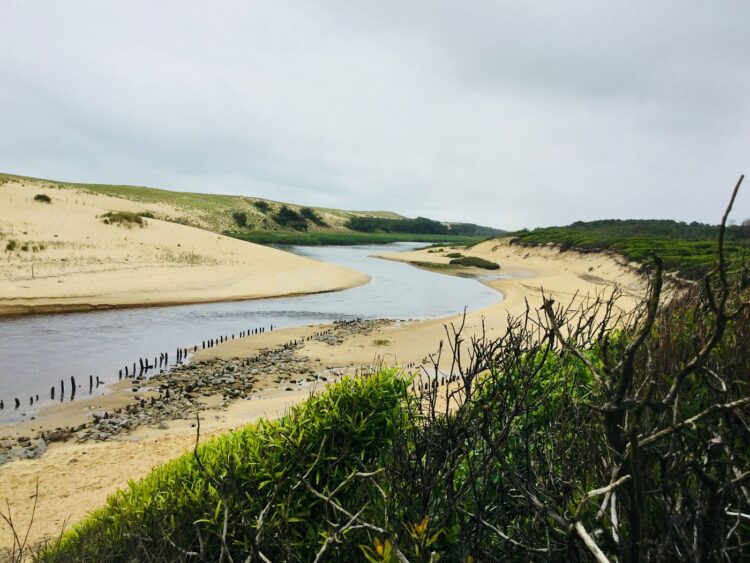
(231,379)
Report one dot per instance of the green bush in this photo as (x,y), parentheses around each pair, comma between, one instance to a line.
(475,262)
(42,198)
(287,217)
(240,218)
(181,507)
(309,213)
(455,255)
(11,245)
(262,206)
(123,218)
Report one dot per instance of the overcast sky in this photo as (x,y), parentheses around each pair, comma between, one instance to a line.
(509,114)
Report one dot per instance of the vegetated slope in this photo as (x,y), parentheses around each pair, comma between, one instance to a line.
(688,248)
(627,441)
(254,219)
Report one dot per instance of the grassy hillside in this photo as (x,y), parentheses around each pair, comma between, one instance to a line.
(255,219)
(688,248)
(343,238)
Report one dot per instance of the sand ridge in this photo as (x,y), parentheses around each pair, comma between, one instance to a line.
(61,256)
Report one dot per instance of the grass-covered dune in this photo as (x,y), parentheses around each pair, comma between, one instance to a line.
(266,221)
(689,248)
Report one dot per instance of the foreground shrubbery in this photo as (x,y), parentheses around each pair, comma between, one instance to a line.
(251,482)
(571,435)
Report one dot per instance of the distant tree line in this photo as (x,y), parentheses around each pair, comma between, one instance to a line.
(420,225)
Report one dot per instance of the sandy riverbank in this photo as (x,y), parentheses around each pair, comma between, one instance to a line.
(70,489)
(61,256)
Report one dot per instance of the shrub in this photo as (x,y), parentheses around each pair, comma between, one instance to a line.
(262,206)
(240,218)
(11,245)
(287,217)
(455,255)
(258,470)
(123,218)
(309,213)
(475,262)
(42,198)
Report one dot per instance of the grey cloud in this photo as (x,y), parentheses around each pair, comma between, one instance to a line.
(509,114)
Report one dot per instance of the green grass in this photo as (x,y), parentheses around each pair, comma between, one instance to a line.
(689,249)
(475,262)
(181,507)
(343,238)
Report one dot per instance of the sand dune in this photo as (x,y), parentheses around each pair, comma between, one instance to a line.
(61,256)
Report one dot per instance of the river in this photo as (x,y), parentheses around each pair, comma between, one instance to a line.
(37,351)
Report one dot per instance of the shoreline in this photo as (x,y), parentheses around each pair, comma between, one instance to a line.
(67,256)
(12,310)
(317,349)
